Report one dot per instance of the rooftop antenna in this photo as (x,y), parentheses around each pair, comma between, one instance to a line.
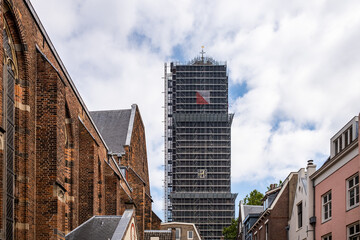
(202,53)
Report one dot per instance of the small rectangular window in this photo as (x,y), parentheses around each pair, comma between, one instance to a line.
(326,206)
(353,191)
(202,173)
(190,234)
(327,237)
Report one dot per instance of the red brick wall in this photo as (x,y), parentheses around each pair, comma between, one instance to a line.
(277,218)
(46,167)
(135,159)
(138,156)
(110,189)
(86,175)
(155,222)
(49,177)
(61,177)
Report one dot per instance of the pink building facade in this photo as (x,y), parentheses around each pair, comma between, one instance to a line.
(336,185)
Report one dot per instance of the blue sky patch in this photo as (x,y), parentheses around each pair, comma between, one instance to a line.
(177,53)
(137,39)
(237,90)
(309,126)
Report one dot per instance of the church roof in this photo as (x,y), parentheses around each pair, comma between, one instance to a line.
(115,127)
(103,227)
(97,227)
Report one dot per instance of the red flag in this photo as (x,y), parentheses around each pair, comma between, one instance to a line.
(203,97)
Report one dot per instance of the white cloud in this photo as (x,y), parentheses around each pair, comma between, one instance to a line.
(299,61)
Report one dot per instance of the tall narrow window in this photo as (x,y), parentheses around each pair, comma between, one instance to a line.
(353,191)
(326,206)
(178,234)
(299,213)
(266,231)
(9,76)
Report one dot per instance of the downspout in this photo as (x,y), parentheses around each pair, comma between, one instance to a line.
(287,228)
(314,208)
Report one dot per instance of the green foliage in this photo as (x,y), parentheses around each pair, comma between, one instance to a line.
(254,198)
(231,231)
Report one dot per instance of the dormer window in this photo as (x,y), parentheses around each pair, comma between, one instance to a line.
(345,137)
(343,140)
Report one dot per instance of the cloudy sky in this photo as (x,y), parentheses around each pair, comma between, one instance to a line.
(294,71)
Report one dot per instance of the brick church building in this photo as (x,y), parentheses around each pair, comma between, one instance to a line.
(57,169)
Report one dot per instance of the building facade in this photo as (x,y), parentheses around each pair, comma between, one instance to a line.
(124,133)
(248,214)
(56,171)
(300,222)
(183,231)
(336,183)
(272,224)
(198,146)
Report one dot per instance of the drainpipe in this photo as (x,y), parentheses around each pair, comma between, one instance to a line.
(287,232)
(314,208)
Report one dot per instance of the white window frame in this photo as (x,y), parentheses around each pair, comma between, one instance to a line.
(328,198)
(356,234)
(355,188)
(176,230)
(327,237)
(188,234)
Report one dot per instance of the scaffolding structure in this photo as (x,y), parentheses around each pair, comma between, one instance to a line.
(198,146)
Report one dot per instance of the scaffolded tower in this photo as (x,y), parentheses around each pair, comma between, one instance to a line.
(198,146)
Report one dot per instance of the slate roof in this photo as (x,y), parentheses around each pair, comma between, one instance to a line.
(113,126)
(97,227)
(103,227)
(250,209)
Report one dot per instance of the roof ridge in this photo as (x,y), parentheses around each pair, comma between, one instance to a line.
(111,110)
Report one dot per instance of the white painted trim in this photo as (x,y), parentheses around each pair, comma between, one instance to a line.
(334,166)
(131,125)
(182,223)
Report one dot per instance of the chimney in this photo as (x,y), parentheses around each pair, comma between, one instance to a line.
(311,167)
